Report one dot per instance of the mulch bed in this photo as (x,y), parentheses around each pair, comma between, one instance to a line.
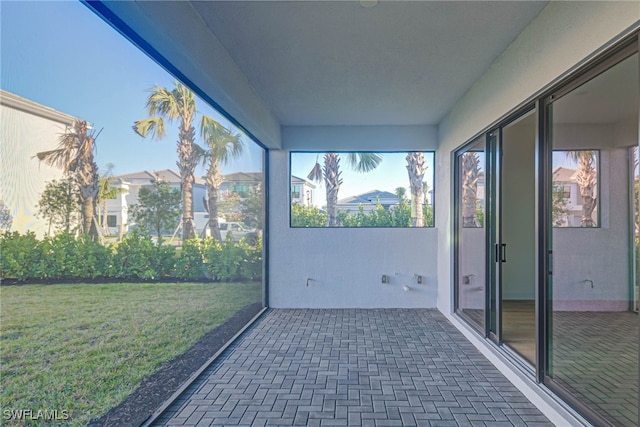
(157,388)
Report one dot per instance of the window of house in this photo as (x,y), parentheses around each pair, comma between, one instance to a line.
(112,220)
(295,191)
(575,199)
(363,189)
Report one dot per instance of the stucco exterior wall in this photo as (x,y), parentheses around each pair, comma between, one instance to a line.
(562,37)
(343,267)
(22,177)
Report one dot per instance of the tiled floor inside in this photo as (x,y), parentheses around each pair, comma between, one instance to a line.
(352,367)
(595,357)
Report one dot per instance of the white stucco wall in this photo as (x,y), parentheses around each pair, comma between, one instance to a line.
(345,265)
(564,35)
(22,177)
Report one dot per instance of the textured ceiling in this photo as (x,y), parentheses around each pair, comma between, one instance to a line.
(339,63)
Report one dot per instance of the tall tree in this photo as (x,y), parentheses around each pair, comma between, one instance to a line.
(416,169)
(587,180)
(360,162)
(222,145)
(106,191)
(176,105)
(75,156)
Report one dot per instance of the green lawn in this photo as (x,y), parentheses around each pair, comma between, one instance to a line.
(84,347)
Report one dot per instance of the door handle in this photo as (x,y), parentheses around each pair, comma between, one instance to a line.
(501,252)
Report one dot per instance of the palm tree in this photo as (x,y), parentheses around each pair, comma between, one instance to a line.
(360,162)
(222,146)
(179,105)
(587,180)
(106,191)
(416,170)
(470,177)
(75,156)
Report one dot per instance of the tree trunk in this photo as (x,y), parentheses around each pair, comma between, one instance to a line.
(586,177)
(470,175)
(214,181)
(187,162)
(332,185)
(416,170)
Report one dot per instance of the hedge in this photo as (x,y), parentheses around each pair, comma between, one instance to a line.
(23,257)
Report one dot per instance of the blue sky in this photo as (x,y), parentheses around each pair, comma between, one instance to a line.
(390,174)
(61,55)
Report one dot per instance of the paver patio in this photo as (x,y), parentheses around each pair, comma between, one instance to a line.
(391,367)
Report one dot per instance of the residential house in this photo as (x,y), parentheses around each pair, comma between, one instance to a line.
(118,218)
(368,201)
(240,183)
(569,214)
(302,191)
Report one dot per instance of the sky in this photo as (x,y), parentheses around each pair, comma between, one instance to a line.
(390,174)
(60,54)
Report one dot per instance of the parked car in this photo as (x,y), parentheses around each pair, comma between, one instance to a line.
(238,232)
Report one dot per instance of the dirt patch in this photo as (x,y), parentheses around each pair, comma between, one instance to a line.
(157,388)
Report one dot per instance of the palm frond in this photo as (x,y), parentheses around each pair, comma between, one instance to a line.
(316,173)
(364,162)
(162,102)
(154,126)
(223,144)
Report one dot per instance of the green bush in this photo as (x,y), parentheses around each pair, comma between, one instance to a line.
(190,263)
(24,257)
(20,255)
(134,257)
(65,256)
(228,261)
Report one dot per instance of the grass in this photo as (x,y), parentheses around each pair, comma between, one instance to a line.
(85,347)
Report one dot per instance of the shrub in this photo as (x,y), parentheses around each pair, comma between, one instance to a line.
(20,255)
(190,263)
(229,260)
(66,257)
(134,257)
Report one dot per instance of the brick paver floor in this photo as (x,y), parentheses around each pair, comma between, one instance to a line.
(352,367)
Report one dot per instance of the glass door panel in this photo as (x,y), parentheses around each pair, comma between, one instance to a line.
(471,255)
(593,332)
(517,236)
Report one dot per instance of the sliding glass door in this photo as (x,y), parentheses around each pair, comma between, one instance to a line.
(593,331)
(471,234)
(516,229)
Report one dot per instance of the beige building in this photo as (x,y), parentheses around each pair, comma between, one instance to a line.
(27,128)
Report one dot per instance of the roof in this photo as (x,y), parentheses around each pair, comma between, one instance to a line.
(243,177)
(167,175)
(298,180)
(370,197)
(16,102)
(563,174)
